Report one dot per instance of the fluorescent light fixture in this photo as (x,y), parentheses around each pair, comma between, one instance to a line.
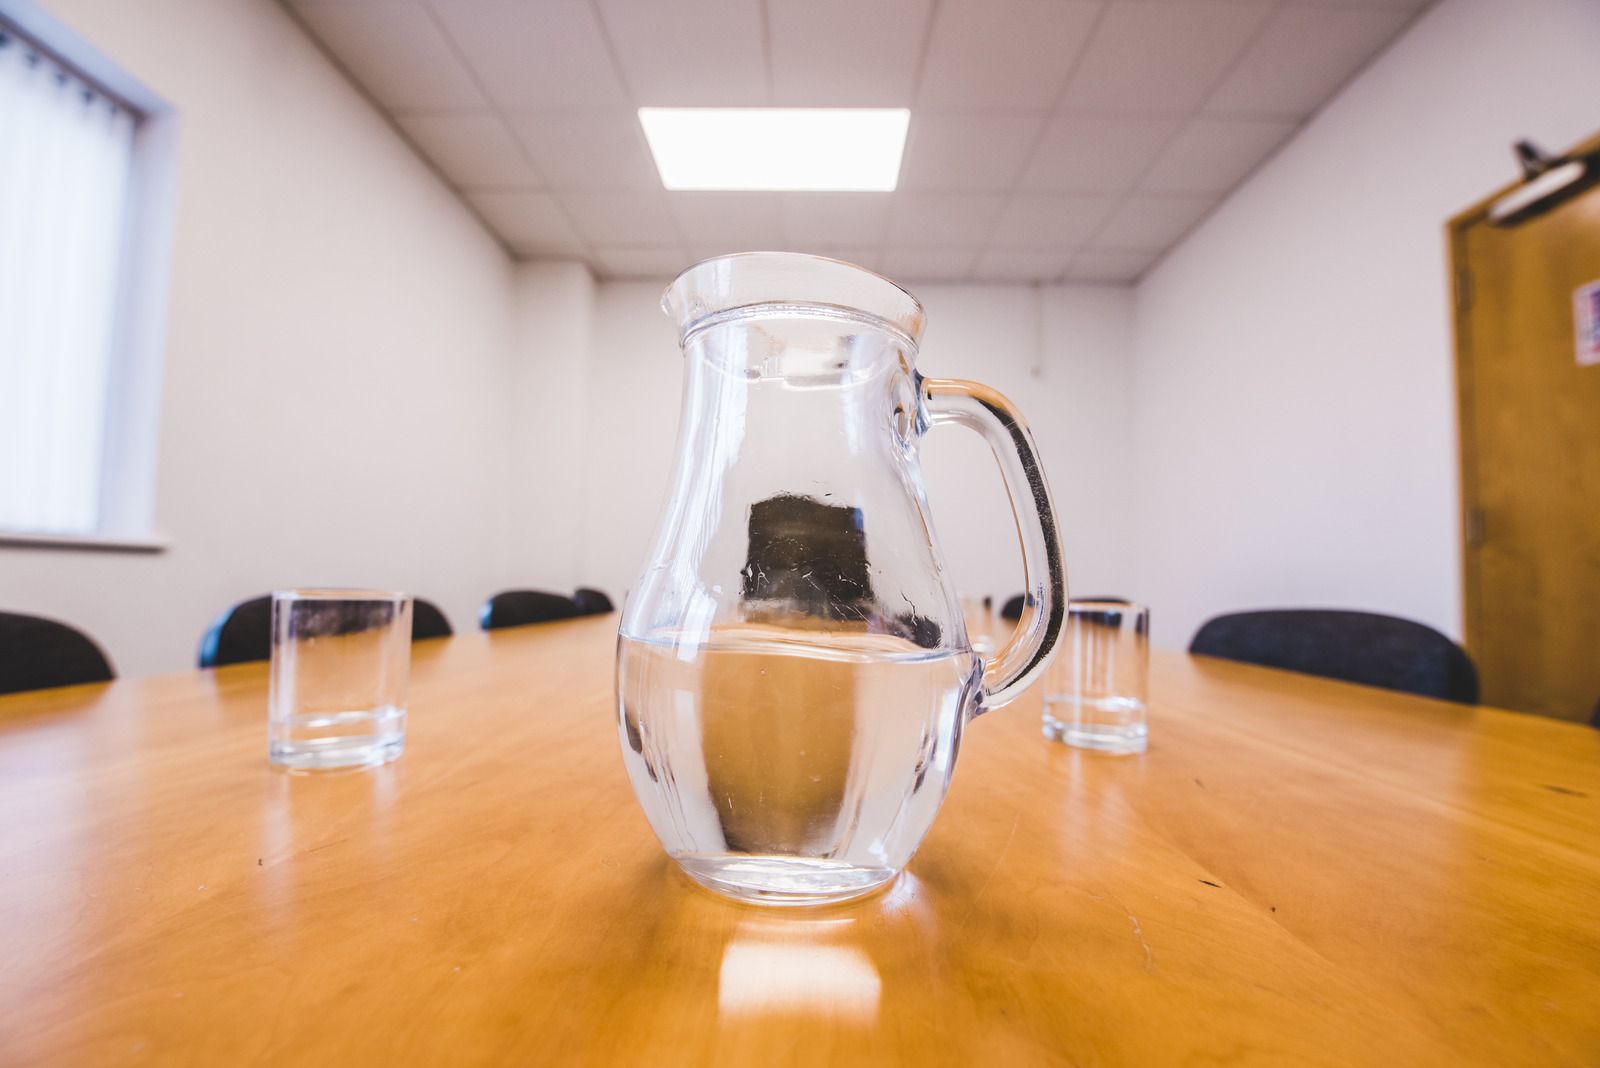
(1537,195)
(806,149)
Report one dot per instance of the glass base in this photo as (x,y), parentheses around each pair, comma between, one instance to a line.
(344,740)
(780,880)
(1121,739)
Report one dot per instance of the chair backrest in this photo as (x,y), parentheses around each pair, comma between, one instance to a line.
(36,654)
(427,621)
(592,602)
(241,634)
(244,632)
(1012,609)
(517,608)
(1362,647)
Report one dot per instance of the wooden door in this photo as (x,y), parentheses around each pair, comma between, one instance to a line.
(1530,455)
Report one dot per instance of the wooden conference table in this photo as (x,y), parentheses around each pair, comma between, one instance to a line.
(1298,871)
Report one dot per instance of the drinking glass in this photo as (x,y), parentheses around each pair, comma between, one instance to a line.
(1095,690)
(341,669)
(979,613)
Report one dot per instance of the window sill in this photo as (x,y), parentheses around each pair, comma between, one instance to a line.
(85,542)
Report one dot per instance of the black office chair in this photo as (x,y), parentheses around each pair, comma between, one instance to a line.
(1012,609)
(36,654)
(591,602)
(1362,647)
(518,608)
(241,634)
(427,621)
(244,632)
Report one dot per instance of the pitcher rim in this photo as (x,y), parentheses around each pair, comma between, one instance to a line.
(906,319)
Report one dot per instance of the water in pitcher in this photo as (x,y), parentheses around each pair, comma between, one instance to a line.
(791,766)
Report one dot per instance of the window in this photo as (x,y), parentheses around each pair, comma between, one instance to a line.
(74,310)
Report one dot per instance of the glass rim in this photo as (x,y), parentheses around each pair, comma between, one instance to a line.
(334,593)
(740,281)
(1104,604)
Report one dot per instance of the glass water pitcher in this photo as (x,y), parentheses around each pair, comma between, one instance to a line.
(793,668)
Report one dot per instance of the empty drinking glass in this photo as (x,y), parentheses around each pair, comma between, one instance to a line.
(341,669)
(1095,690)
(979,614)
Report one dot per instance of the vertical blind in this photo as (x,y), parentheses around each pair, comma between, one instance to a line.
(65,156)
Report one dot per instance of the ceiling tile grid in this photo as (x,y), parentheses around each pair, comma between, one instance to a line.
(482,151)
(1050,140)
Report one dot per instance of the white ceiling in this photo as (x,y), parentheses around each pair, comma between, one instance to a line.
(1050,139)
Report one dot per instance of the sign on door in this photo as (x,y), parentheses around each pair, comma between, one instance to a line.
(1586,321)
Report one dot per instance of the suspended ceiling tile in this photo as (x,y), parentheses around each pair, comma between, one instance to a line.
(848,220)
(845,53)
(1002,53)
(1019,265)
(1116,266)
(1050,221)
(623,218)
(1410,6)
(594,151)
(967,151)
(656,261)
(933,220)
(1014,102)
(397,52)
(1302,56)
(870,258)
(905,265)
(547,55)
(1212,155)
(690,53)
(474,148)
(1081,153)
(529,221)
(1161,57)
(1152,223)
(750,221)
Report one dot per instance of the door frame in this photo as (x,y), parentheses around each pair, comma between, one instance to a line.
(1469,524)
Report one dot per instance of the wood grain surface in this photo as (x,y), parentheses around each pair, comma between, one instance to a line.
(1298,871)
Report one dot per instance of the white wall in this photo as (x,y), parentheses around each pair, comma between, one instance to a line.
(555,319)
(1063,354)
(635,382)
(1295,392)
(334,408)
(1076,393)
(361,390)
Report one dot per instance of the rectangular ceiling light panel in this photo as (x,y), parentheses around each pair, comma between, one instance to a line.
(798,149)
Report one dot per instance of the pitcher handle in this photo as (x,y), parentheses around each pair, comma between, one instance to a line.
(978,407)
